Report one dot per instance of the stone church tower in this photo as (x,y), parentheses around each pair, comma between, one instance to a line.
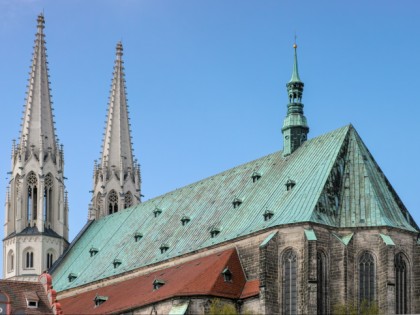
(116,179)
(36,209)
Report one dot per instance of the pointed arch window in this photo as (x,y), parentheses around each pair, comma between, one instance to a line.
(366,278)
(28,259)
(290,283)
(48,195)
(401,284)
(31,206)
(128,200)
(112,202)
(10,261)
(322,283)
(50,259)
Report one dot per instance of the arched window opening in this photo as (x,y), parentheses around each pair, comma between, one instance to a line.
(48,197)
(322,283)
(401,285)
(50,258)
(29,259)
(289,283)
(32,204)
(128,200)
(4,304)
(112,202)
(99,201)
(10,261)
(366,278)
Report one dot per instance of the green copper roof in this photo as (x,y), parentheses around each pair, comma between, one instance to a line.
(387,239)
(310,235)
(295,73)
(337,183)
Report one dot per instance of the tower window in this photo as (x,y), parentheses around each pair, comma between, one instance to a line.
(128,200)
(50,260)
(48,197)
(32,204)
(29,259)
(112,202)
(10,261)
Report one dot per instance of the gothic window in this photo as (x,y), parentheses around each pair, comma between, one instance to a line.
(29,259)
(112,202)
(128,200)
(10,261)
(322,283)
(401,284)
(32,204)
(50,260)
(48,197)
(290,283)
(366,278)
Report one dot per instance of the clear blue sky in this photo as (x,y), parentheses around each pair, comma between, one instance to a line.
(206,82)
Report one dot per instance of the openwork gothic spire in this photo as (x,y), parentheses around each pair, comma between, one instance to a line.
(295,128)
(117,170)
(38,127)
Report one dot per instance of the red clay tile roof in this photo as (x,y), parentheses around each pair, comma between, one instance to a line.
(17,292)
(202,276)
(251,288)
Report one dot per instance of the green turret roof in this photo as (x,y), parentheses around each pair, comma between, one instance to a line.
(336,183)
(295,73)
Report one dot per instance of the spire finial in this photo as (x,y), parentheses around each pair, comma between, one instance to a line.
(295,73)
(119,50)
(41,22)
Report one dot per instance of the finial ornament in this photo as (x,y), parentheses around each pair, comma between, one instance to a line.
(41,21)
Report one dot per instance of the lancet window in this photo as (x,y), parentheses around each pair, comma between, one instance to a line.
(401,284)
(366,278)
(128,200)
(289,283)
(50,258)
(112,202)
(31,207)
(48,197)
(322,283)
(29,259)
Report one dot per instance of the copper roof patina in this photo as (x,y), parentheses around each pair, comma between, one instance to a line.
(337,183)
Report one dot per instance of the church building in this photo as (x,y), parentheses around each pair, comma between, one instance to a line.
(315,228)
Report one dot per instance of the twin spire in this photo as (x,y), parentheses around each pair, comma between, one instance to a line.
(116,179)
(37,126)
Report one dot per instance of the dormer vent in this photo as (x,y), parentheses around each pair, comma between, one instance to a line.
(236,202)
(32,299)
(268,214)
(214,231)
(157,212)
(117,262)
(163,248)
(72,276)
(100,299)
(158,283)
(227,275)
(290,184)
(138,236)
(255,176)
(185,219)
(93,251)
